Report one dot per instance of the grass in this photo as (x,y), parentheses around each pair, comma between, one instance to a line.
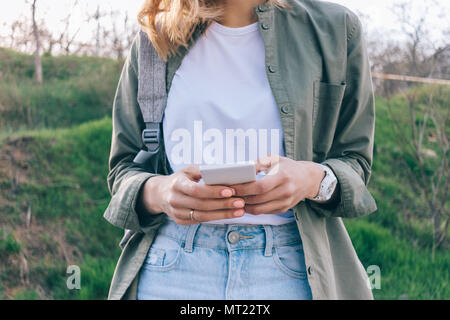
(398,238)
(407,272)
(76,90)
(8,244)
(65,187)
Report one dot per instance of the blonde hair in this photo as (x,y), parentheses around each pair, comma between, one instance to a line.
(170,24)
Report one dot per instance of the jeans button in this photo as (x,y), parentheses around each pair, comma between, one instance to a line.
(233,237)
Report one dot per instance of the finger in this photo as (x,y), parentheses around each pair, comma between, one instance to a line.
(203,191)
(283,191)
(271,207)
(260,186)
(205,216)
(184,201)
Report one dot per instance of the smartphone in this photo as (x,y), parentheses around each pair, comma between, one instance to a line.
(228,174)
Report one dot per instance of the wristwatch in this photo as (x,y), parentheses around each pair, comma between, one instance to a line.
(327,186)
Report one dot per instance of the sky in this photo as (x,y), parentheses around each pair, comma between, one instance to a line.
(376,14)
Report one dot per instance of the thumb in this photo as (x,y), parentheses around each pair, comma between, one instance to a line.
(266,162)
(193,172)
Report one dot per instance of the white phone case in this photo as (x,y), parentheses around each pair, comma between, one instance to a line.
(228,174)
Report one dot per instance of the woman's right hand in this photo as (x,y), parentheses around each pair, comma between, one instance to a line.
(179,193)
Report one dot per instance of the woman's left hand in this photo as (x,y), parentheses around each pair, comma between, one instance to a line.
(286,184)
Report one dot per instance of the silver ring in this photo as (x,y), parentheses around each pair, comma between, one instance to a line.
(191,214)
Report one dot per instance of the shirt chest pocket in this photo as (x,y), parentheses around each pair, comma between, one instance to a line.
(326,107)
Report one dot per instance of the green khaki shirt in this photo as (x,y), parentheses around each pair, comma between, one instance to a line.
(319,73)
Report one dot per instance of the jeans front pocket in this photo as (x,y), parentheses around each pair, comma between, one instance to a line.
(163,255)
(291,260)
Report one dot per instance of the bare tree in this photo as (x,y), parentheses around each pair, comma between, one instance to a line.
(416,55)
(18,34)
(97,17)
(66,39)
(37,40)
(421,125)
(120,37)
(113,33)
(51,42)
(423,140)
(14,26)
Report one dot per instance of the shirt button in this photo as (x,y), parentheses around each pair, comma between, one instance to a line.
(233,237)
(271,69)
(309,270)
(260,8)
(285,109)
(265,26)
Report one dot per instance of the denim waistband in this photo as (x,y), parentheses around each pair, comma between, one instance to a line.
(217,236)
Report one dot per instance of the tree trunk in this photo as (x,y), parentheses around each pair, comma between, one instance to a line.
(97,36)
(37,53)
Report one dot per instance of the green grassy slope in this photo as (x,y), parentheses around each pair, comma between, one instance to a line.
(75,90)
(397,237)
(59,177)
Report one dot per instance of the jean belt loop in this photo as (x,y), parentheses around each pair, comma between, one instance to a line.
(269,240)
(189,242)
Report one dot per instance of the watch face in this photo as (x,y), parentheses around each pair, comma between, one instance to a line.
(327,186)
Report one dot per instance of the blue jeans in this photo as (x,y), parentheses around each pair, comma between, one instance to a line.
(222,262)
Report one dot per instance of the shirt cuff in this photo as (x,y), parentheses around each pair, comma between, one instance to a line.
(354,200)
(121,211)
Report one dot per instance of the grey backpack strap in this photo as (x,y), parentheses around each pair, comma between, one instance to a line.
(152,98)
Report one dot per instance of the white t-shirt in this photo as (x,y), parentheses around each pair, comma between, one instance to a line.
(220,107)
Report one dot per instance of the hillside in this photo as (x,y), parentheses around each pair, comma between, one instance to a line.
(75,90)
(55,180)
(53,193)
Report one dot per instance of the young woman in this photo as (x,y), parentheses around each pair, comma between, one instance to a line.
(284,83)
